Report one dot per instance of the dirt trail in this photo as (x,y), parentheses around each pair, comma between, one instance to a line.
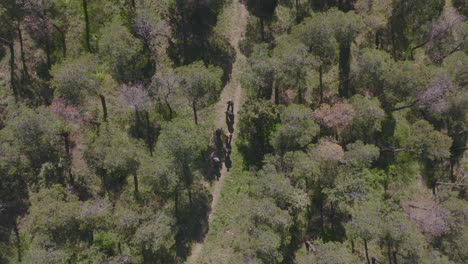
(233,91)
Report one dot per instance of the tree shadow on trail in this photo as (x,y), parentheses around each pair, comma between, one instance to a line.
(193,219)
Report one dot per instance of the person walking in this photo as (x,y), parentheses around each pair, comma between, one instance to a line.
(228,138)
(230,105)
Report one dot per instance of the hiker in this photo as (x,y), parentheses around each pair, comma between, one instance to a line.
(228,138)
(229,117)
(216,162)
(227,151)
(230,105)
(216,166)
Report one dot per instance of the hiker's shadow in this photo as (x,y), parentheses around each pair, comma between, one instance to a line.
(228,163)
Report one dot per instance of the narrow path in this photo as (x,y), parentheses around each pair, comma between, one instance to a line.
(233,91)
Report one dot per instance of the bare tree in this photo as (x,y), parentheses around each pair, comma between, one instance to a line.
(164,86)
(137,97)
(336,117)
(153,32)
(430,217)
(66,110)
(434,98)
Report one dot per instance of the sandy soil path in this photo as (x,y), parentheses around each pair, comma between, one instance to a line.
(233,91)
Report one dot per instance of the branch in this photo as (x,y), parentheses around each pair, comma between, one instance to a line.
(406,106)
(429,39)
(392,149)
(7,42)
(450,183)
(417,47)
(457,48)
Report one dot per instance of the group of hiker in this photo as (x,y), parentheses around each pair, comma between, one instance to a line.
(223,149)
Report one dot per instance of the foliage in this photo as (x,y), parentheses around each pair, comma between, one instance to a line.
(74,77)
(296,130)
(121,52)
(326,253)
(256,124)
(349,139)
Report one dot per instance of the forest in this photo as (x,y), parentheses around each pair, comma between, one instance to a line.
(233,131)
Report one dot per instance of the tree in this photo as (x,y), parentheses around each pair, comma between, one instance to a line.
(461,6)
(155,237)
(259,74)
(32,140)
(434,98)
(95,215)
(336,117)
(138,98)
(54,213)
(256,124)
(164,85)
(263,9)
(366,223)
(443,36)
(367,117)
(318,35)
(191,24)
(113,156)
(358,154)
(430,217)
(182,143)
(274,185)
(292,61)
(296,129)
(372,66)
(31,156)
(11,13)
(43,19)
(424,140)
(401,238)
(346,28)
(199,84)
(121,52)
(407,20)
(73,79)
(326,253)
(401,82)
(151,29)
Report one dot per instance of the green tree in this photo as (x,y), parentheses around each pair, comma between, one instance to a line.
(54,213)
(318,35)
(121,53)
(400,237)
(461,6)
(292,60)
(359,154)
(182,142)
(200,84)
(407,21)
(155,238)
(426,141)
(346,27)
(296,130)
(326,253)
(366,223)
(114,157)
(367,117)
(263,9)
(259,74)
(371,67)
(74,79)
(256,124)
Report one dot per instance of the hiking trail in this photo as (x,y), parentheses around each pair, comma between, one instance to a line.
(232,90)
